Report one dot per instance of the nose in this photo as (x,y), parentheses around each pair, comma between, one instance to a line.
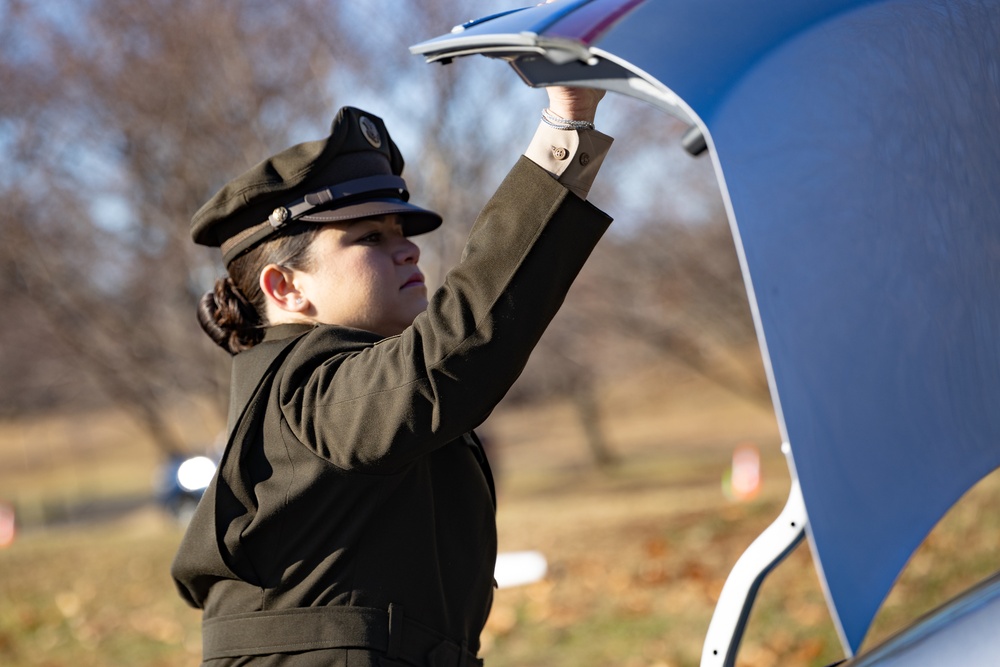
(407,252)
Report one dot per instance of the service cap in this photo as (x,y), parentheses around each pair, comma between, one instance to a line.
(354,173)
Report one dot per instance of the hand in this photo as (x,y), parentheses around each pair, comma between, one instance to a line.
(574,103)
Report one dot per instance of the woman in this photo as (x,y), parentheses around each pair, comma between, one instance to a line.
(352,518)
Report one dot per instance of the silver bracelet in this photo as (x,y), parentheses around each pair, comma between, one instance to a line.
(552,120)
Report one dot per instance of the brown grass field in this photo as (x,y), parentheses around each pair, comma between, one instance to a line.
(637,553)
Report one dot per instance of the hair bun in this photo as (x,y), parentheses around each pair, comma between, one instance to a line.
(229,318)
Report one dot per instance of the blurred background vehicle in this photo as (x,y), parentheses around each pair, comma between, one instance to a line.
(181,482)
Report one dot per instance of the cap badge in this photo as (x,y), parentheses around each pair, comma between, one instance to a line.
(370,131)
(279,217)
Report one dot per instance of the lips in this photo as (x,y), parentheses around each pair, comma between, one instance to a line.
(416,279)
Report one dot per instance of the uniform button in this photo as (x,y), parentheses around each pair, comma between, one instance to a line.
(559,153)
(584,159)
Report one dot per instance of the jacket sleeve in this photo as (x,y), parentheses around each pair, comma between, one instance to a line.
(379,407)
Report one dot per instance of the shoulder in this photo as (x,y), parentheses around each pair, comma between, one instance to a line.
(321,349)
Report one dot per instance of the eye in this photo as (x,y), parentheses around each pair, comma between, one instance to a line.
(371,238)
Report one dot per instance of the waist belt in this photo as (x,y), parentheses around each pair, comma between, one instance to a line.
(316,628)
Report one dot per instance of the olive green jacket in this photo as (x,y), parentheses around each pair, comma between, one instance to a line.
(350,480)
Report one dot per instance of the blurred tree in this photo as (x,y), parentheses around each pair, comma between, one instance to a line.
(687,302)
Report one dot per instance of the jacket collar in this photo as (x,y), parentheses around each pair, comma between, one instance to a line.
(281,331)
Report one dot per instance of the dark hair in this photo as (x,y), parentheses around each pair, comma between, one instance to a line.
(233,313)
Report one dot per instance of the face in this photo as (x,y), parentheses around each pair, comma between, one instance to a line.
(364,275)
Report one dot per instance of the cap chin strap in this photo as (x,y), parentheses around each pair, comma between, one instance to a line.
(285,215)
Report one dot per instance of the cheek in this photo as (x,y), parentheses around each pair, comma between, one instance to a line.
(367,283)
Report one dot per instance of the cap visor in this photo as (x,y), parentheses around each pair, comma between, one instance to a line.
(415,220)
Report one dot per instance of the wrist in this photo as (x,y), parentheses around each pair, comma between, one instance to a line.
(564,122)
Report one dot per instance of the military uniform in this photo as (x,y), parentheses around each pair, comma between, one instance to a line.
(352,518)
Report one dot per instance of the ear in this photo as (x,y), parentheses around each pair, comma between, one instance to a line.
(278,285)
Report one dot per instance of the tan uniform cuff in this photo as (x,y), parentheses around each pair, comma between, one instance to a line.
(573,157)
